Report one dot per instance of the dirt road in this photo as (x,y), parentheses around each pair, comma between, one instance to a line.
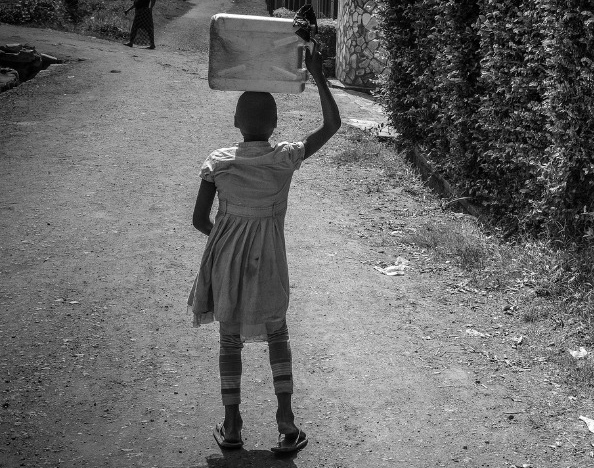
(100,367)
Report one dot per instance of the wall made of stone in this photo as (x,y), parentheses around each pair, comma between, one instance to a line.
(360,58)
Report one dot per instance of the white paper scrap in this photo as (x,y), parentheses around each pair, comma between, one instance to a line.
(580,354)
(589,422)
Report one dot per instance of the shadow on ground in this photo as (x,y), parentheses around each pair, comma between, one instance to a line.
(249,458)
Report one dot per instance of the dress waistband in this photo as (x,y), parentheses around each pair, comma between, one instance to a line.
(254,212)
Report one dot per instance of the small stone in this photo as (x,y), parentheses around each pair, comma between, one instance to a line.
(371,24)
(369,6)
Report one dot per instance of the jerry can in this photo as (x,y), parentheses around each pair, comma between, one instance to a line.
(255,53)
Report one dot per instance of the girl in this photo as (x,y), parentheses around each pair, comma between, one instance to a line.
(243,280)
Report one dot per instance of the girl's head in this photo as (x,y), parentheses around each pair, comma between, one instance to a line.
(255,115)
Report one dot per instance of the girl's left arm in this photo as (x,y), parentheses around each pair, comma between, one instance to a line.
(201,218)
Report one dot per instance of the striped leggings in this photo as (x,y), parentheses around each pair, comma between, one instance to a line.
(230,366)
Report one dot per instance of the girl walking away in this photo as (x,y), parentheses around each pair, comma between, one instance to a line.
(143,19)
(243,281)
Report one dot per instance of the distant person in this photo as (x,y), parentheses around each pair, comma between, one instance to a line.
(143,19)
(243,281)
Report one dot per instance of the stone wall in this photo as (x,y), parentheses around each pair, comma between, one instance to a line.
(359,56)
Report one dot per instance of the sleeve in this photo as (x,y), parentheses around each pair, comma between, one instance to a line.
(296,152)
(208,168)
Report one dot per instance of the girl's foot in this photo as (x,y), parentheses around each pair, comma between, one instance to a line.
(291,438)
(290,444)
(221,438)
(287,428)
(285,418)
(233,423)
(128,44)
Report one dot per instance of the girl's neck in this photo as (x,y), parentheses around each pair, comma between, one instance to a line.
(265,136)
(248,138)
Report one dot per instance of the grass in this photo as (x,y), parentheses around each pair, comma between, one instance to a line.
(99,18)
(450,240)
(359,147)
(551,285)
(579,372)
(363,148)
(107,22)
(91,17)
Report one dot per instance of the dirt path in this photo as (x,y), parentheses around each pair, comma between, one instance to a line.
(99,365)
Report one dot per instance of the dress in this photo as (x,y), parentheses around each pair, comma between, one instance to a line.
(243,276)
(143,21)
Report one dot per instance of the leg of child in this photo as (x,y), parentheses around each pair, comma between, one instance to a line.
(279,351)
(230,370)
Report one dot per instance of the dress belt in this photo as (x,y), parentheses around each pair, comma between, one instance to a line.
(254,212)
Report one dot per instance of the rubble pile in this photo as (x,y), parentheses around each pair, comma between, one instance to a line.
(21,62)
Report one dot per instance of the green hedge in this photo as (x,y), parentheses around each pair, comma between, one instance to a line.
(283,13)
(499,95)
(96,17)
(327,39)
(44,12)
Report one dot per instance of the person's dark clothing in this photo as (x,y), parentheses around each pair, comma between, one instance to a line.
(143,19)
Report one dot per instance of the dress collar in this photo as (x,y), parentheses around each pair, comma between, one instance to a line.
(250,149)
(254,144)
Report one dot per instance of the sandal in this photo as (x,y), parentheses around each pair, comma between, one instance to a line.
(290,445)
(219,435)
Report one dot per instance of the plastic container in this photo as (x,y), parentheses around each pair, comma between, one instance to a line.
(255,53)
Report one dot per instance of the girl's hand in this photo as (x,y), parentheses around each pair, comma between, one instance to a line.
(313,60)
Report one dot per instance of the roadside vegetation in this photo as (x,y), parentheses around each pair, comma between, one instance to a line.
(547,288)
(89,17)
(497,96)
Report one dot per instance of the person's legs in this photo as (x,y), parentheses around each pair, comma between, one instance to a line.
(151,31)
(133,32)
(282,376)
(230,369)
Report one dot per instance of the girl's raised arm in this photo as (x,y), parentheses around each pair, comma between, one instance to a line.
(201,217)
(331,123)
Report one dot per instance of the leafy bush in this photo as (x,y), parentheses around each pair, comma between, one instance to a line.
(510,141)
(568,172)
(94,17)
(284,13)
(455,83)
(499,94)
(406,91)
(43,12)
(327,39)
(105,20)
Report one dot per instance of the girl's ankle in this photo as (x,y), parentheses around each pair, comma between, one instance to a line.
(232,414)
